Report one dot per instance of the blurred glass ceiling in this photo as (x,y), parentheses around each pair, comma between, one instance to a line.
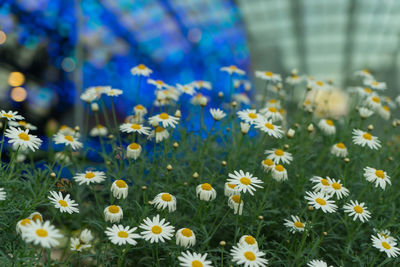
(324,38)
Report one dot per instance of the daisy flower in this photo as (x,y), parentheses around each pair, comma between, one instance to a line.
(230,189)
(365,138)
(185,237)
(272,113)
(248,240)
(165,119)
(295,224)
(19,137)
(2,194)
(241,98)
(134,128)
(88,96)
(43,234)
(188,259)
(187,89)
(365,74)
(133,150)
(206,192)
(278,155)
(248,256)
(267,164)
(317,85)
(375,85)
(233,69)
(86,236)
(164,200)
(158,84)
(373,102)
(269,128)
(386,234)
(339,150)
(249,115)
(327,127)
(140,110)
(90,177)
(199,100)
(379,177)
(120,235)
(113,92)
(217,114)
(23,124)
(10,115)
(156,230)
(294,79)
(244,181)
(98,130)
(317,263)
(321,184)
(119,188)
(159,133)
(142,70)
(385,245)
(68,140)
(357,210)
(336,188)
(321,201)
(75,245)
(279,173)
(273,103)
(268,76)
(202,85)
(63,204)
(236,203)
(244,127)
(113,214)
(384,112)
(22,225)
(36,216)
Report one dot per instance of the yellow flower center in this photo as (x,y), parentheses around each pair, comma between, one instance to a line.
(26,221)
(249,256)
(368,90)
(236,198)
(324,182)
(123,234)
(42,232)
(141,67)
(376,99)
(386,108)
(250,240)
(279,152)
(340,145)
(37,217)
(269,126)
(7,115)
(159,129)
(336,186)
(164,116)
(134,146)
(329,122)
(358,209)
(135,126)
(197,263)
(233,67)
(380,174)
(231,186)
(159,82)
(69,138)
(120,183)
(139,107)
(23,136)
(386,245)
(279,168)
(187,232)
(320,83)
(113,209)
(366,71)
(22,123)
(298,224)
(320,201)
(89,175)
(268,162)
(156,229)
(206,186)
(272,101)
(99,126)
(63,203)
(272,109)
(166,197)
(269,74)
(367,136)
(245,180)
(252,115)
(374,83)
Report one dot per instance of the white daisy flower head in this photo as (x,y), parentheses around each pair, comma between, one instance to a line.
(22,225)
(236,203)
(158,84)
(321,184)
(134,128)
(317,85)
(357,211)
(185,237)
(279,173)
(244,127)
(76,245)
(186,89)
(375,85)
(267,164)
(133,150)
(88,96)
(165,119)
(3,194)
(384,112)
(64,204)
(386,234)
(364,73)
(241,98)
(163,201)
(249,115)
(336,188)
(230,189)
(22,138)
(278,155)
(98,130)
(142,70)
(206,192)
(23,124)
(272,113)
(365,112)
(159,133)
(379,177)
(268,76)
(365,139)
(156,230)
(248,240)
(327,126)
(86,236)
(294,79)
(67,140)
(41,233)
(113,214)
(363,92)
(36,217)
(90,177)
(317,263)
(217,114)
(248,256)
(233,69)
(113,92)
(321,201)
(10,115)
(61,156)
(202,85)
(373,102)
(269,128)
(339,150)
(198,100)
(121,235)
(140,110)
(245,181)
(189,259)
(295,224)
(385,245)
(273,103)
(119,188)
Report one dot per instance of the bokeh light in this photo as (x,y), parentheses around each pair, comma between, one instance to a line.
(3,37)
(16,79)
(18,94)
